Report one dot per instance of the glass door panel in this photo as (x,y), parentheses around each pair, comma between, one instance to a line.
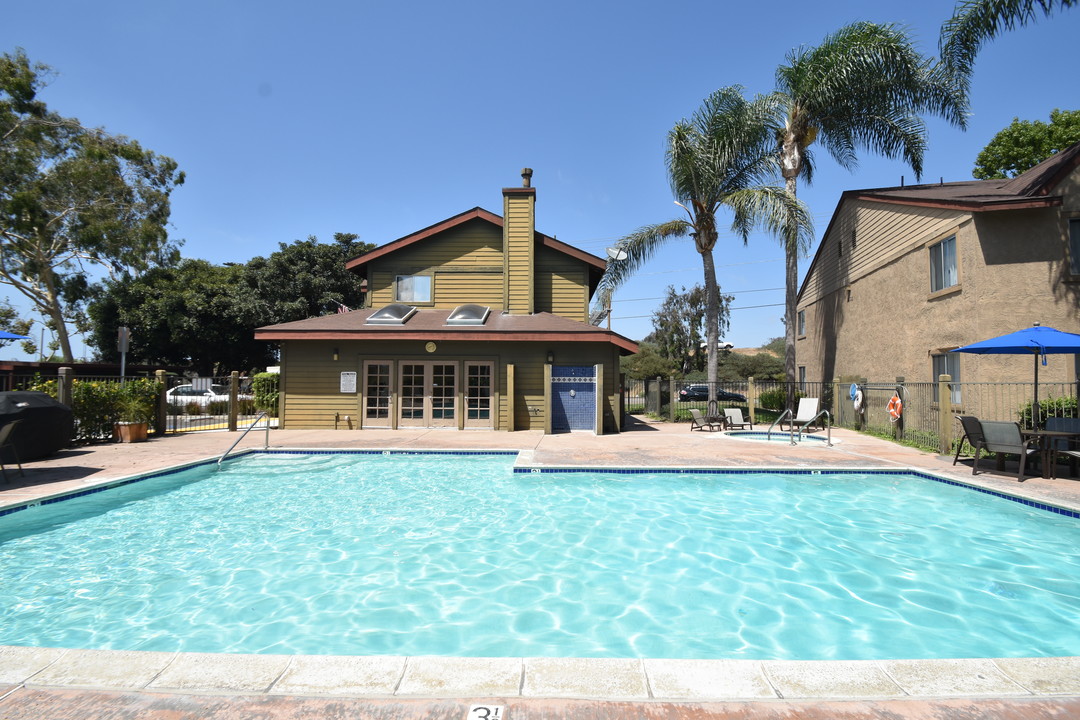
(377,387)
(478,396)
(413,382)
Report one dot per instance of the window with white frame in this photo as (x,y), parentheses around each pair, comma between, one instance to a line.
(1074,246)
(800,323)
(943,272)
(947,364)
(412,289)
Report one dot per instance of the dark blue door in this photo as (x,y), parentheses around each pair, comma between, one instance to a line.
(573,398)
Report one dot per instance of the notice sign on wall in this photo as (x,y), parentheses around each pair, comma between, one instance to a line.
(348,382)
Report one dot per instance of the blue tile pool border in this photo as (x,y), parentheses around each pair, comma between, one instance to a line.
(548,470)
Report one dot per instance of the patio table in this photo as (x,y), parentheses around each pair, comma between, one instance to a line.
(1046,446)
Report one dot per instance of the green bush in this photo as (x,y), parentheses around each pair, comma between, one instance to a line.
(776,399)
(265,388)
(1064,406)
(98,404)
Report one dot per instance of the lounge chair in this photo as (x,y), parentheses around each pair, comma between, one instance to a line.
(6,443)
(698,422)
(808,410)
(1004,437)
(1069,448)
(972,433)
(734,419)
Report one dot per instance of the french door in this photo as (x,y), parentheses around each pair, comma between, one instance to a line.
(428,392)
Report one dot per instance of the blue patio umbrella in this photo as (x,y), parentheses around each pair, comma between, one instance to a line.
(5,335)
(1038,340)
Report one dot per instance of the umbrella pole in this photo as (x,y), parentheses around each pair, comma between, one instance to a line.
(1035,412)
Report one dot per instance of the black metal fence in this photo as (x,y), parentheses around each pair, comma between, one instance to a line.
(926,416)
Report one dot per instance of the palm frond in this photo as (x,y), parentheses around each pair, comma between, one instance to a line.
(640,246)
(776,211)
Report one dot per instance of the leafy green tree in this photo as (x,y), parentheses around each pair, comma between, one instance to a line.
(720,158)
(647,363)
(679,327)
(302,280)
(72,198)
(974,22)
(12,323)
(777,346)
(1025,143)
(864,86)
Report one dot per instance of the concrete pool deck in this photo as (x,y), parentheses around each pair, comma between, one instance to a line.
(58,683)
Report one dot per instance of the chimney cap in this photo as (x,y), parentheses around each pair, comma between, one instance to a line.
(526,177)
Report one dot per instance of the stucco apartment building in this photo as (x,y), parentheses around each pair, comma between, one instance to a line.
(905,274)
(477,321)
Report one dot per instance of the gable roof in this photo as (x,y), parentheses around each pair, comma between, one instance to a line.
(597,265)
(430,324)
(1029,189)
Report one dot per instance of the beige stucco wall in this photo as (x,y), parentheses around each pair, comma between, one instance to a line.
(870,313)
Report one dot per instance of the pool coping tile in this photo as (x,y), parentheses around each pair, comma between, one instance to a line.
(830,678)
(213,672)
(1044,676)
(952,678)
(436,676)
(18,663)
(341,675)
(113,669)
(708,680)
(585,678)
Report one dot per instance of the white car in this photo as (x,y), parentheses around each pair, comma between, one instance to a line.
(187,394)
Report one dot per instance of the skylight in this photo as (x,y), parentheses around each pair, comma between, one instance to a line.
(468,315)
(394,314)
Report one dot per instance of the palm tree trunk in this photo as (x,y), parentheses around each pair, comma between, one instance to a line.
(712,323)
(791,288)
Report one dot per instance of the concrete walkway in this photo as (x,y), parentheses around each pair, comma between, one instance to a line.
(56,683)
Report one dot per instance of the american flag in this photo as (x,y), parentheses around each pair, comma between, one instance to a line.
(343,308)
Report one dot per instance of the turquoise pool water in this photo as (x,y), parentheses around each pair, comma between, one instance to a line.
(438,555)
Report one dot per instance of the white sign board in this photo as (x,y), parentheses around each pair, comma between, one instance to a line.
(201,383)
(348,382)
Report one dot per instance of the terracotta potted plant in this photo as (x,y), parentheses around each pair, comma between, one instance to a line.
(134,420)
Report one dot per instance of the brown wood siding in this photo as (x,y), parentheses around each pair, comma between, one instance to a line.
(882,232)
(561,286)
(519,227)
(475,247)
(312,377)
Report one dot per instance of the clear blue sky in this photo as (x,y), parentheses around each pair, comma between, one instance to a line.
(381,118)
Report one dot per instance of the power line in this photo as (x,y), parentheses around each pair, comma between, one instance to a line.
(745,307)
(722,292)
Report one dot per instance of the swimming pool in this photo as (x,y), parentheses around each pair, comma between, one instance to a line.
(778,436)
(436,555)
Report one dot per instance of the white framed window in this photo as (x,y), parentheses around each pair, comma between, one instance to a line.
(800,323)
(943,272)
(946,364)
(1074,246)
(412,289)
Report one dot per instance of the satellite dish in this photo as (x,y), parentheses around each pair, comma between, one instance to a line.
(616,253)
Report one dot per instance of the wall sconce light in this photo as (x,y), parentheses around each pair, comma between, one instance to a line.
(550,357)
(335,354)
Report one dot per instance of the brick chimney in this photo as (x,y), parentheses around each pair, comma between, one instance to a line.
(519,227)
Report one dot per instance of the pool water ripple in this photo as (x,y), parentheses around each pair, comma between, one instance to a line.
(429,555)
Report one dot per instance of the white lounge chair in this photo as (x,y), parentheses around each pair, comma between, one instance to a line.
(808,410)
(735,419)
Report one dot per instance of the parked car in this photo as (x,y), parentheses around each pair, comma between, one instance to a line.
(187,394)
(701,392)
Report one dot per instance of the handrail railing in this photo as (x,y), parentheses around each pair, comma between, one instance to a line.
(249,428)
(828,426)
(786,414)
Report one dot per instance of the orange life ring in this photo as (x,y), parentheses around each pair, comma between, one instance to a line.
(895,408)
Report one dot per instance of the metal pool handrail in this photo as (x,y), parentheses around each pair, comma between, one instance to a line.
(266,442)
(828,427)
(786,414)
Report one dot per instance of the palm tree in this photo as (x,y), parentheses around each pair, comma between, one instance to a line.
(720,158)
(975,21)
(865,85)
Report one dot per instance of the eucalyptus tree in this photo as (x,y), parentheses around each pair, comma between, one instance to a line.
(973,22)
(721,158)
(865,86)
(72,199)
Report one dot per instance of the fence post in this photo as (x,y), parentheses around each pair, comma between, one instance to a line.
(945,420)
(234,390)
(161,413)
(671,398)
(63,385)
(751,399)
(898,426)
